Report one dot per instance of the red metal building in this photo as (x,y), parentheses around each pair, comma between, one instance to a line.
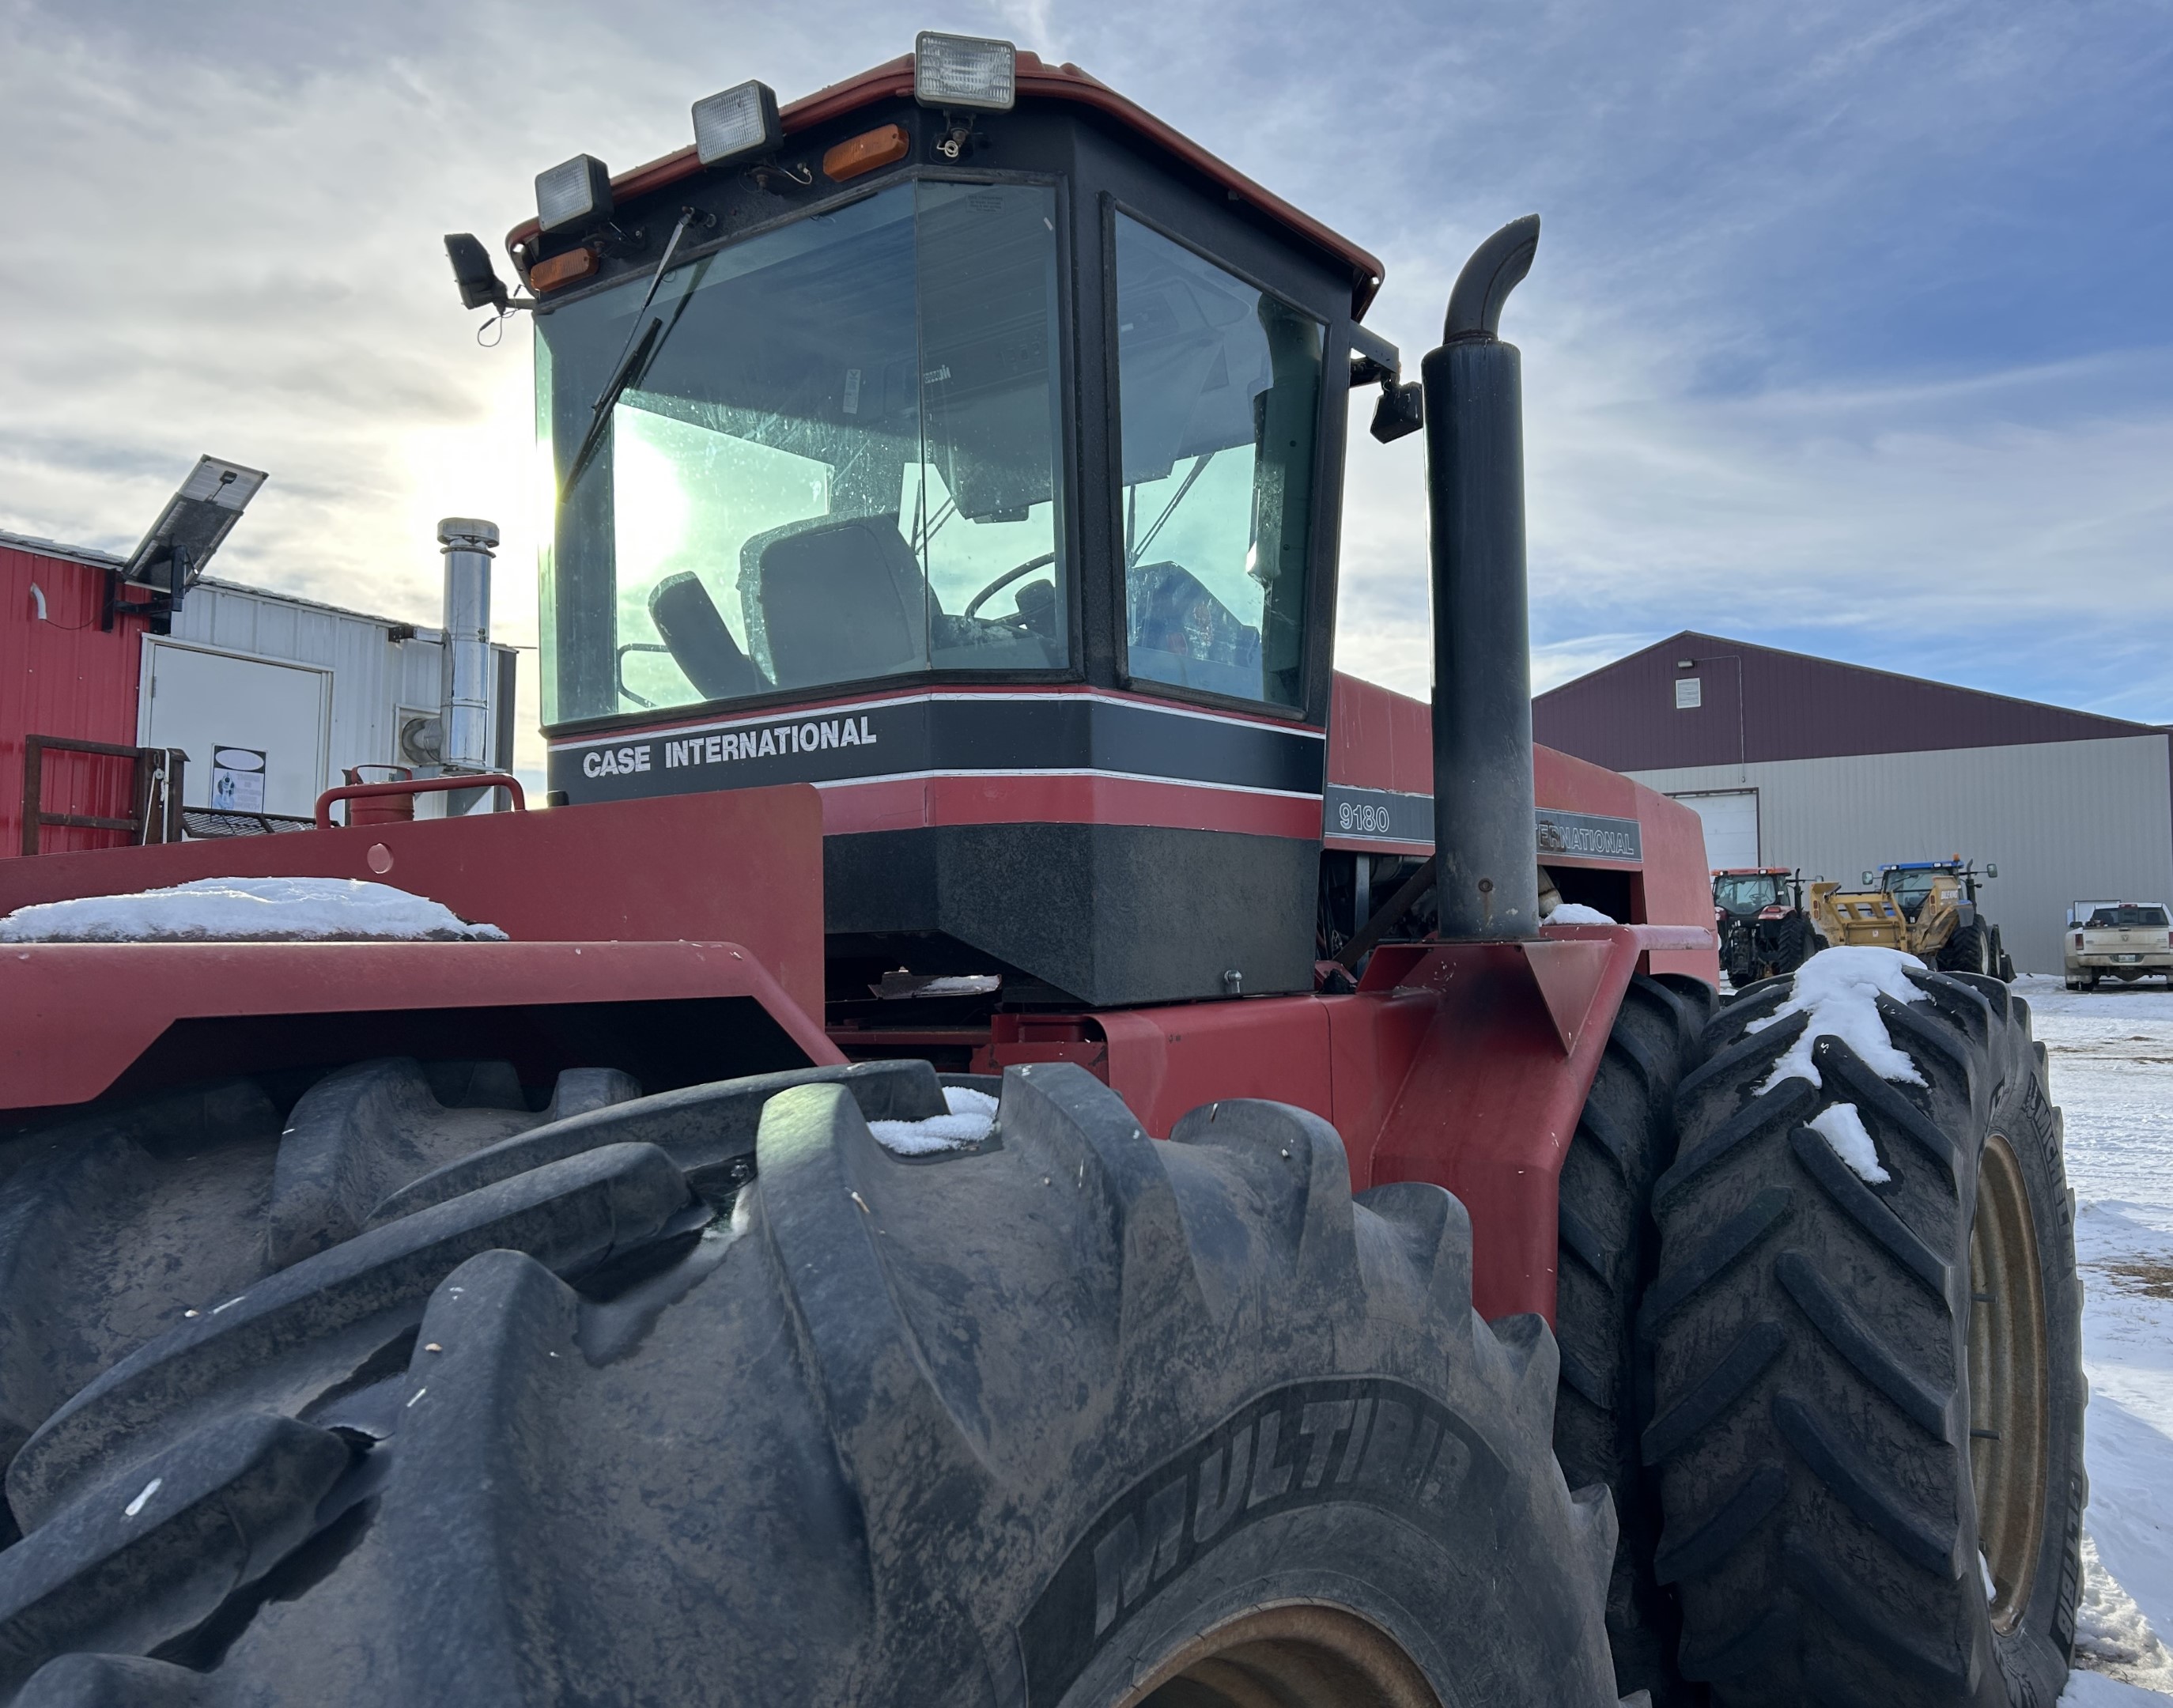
(1795,761)
(64,673)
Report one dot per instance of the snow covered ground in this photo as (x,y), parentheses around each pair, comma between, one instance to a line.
(2111,1057)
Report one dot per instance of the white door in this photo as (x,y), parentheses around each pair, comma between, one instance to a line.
(1731,826)
(239,719)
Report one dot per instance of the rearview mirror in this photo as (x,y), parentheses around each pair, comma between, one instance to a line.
(478,280)
(1871,877)
(1401,410)
(1990,870)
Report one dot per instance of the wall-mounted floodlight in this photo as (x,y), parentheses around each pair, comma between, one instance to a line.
(735,123)
(969,71)
(573,192)
(196,519)
(478,280)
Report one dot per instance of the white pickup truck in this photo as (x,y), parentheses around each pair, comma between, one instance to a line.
(2127,940)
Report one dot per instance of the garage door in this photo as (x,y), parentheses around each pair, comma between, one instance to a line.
(254,730)
(1731,826)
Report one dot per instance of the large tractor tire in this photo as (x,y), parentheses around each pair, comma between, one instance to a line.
(1970,950)
(1796,944)
(707,1397)
(1868,1393)
(1609,1251)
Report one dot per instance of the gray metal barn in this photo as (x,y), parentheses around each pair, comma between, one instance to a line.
(1804,761)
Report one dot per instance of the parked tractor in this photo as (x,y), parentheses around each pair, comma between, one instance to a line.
(1764,931)
(1928,909)
(1364,1292)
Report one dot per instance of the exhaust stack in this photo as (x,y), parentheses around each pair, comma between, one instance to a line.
(468,545)
(1485,850)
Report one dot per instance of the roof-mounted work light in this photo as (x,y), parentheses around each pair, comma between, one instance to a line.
(967,71)
(735,123)
(573,192)
(190,529)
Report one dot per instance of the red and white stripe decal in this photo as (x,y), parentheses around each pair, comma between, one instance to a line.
(1061,797)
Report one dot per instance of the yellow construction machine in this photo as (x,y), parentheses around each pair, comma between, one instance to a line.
(1928,909)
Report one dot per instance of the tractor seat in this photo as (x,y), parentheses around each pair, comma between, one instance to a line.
(693,632)
(838,601)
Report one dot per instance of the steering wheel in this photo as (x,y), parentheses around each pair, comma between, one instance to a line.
(1005,580)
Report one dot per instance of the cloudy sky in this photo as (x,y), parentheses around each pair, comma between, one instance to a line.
(1848,332)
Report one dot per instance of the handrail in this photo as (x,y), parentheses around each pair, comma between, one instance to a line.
(418,785)
(154,790)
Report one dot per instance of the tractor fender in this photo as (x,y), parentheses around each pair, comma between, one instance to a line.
(1466,1065)
(175,1014)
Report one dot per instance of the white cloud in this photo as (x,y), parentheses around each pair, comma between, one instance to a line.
(224,235)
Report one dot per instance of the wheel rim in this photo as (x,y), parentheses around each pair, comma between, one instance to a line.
(1301,1655)
(2009,1406)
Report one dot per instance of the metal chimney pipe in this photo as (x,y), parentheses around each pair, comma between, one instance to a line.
(1485,846)
(468,545)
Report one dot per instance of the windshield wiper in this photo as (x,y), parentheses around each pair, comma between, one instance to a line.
(641,342)
(1132,557)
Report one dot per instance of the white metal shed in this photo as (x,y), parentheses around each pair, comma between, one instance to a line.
(297,691)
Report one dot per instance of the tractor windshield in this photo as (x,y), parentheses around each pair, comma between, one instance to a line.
(1909,888)
(1746,893)
(1219,389)
(832,455)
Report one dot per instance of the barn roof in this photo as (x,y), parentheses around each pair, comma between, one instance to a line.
(1792,706)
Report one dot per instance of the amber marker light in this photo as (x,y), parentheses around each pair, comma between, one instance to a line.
(562,269)
(866,152)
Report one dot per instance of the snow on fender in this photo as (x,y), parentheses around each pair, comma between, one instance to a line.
(247,910)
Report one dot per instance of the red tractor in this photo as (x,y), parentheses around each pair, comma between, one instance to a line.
(1364,1292)
(1758,912)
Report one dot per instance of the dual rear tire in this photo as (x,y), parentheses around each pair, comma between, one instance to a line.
(1868,1394)
(1609,1250)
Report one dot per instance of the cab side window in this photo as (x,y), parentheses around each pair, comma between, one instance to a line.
(1219,391)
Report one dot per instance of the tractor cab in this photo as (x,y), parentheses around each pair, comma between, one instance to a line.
(964,442)
(843,456)
(968,444)
(1751,893)
(1911,883)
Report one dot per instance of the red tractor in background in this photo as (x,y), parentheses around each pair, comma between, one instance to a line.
(937,676)
(1758,911)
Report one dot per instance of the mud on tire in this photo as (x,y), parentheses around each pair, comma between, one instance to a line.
(1832,1356)
(707,1397)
